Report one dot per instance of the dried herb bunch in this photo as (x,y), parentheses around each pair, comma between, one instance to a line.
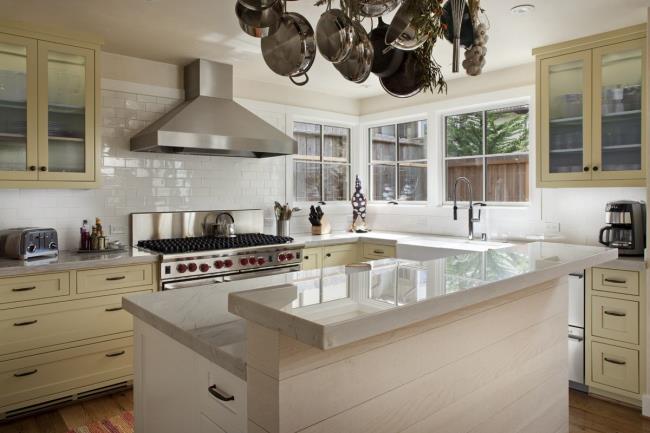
(429,25)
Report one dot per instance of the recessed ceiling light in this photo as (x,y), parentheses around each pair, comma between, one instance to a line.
(522,9)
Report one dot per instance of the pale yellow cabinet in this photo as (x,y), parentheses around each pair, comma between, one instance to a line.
(312,258)
(49,107)
(591,111)
(340,255)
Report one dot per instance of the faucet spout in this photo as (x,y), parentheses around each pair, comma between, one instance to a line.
(470,208)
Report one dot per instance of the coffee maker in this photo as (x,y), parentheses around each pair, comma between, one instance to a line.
(625,227)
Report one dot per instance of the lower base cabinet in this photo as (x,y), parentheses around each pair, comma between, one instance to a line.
(345,254)
(177,390)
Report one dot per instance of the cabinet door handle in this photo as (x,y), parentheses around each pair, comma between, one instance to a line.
(614,313)
(32,168)
(586,169)
(575,337)
(328,255)
(595,168)
(26,323)
(114,354)
(23,289)
(220,395)
(378,251)
(121,277)
(26,373)
(43,168)
(615,361)
(111,309)
(616,280)
(306,257)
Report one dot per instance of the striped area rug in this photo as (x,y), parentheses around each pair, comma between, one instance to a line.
(122,423)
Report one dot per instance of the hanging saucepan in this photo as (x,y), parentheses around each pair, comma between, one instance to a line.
(291,50)
(386,59)
(334,35)
(377,8)
(259,23)
(258,5)
(407,81)
(358,65)
(466,28)
(402,33)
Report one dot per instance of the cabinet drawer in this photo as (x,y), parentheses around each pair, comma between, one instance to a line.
(47,325)
(38,376)
(216,387)
(616,319)
(31,287)
(615,366)
(339,255)
(615,281)
(378,251)
(99,280)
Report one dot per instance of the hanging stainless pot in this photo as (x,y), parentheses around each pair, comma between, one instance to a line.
(377,8)
(291,50)
(358,65)
(257,5)
(386,59)
(408,80)
(334,35)
(402,33)
(259,23)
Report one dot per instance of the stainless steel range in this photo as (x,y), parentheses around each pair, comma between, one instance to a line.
(198,248)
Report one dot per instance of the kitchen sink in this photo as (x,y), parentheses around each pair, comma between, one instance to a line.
(432,248)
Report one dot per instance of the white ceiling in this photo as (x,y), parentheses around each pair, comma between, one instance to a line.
(177,31)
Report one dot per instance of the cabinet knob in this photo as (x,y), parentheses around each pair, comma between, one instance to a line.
(595,168)
(328,255)
(586,169)
(32,168)
(43,168)
(306,257)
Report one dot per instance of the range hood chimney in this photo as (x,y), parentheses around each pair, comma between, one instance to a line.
(210,122)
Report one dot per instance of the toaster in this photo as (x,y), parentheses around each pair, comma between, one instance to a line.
(28,242)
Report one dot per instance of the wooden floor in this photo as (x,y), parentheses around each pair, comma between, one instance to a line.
(586,414)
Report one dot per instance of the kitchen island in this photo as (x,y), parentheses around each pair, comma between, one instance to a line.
(389,346)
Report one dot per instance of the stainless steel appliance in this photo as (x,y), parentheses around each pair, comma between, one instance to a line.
(192,256)
(210,122)
(625,230)
(577,331)
(28,242)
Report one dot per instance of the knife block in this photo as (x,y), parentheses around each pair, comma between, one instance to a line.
(323,229)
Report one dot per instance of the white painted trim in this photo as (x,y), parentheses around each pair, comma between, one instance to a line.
(142,89)
(645,405)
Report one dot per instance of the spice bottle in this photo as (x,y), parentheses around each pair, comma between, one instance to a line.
(94,239)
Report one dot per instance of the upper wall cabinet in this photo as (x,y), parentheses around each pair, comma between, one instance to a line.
(49,111)
(591,111)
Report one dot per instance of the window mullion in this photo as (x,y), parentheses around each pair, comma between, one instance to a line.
(483,156)
(396,162)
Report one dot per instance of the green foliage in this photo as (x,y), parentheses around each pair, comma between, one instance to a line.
(465,134)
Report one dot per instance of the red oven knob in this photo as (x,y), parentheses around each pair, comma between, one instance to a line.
(289,256)
(228,263)
(181,268)
(260,261)
(243,261)
(252,261)
(282,257)
(218,264)
(192,267)
(204,267)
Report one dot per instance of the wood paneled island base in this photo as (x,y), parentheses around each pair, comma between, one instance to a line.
(497,366)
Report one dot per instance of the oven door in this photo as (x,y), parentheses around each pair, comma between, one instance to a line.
(196,282)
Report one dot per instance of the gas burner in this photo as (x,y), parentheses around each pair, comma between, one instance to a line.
(212,243)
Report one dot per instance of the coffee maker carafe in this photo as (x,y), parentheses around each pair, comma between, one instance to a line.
(625,228)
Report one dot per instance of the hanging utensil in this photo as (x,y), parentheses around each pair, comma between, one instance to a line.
(377,8)
(358,65)
(386,59)
(259,23)
(402,34)
(466,27)
(334,34)
(408,80)
(291,50)
(257,5)
(457,10)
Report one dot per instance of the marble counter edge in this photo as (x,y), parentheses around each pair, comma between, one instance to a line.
(331,336)
(637,264)
(234,365)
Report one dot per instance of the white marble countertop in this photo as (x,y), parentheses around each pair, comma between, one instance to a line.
(72,260)
(624,263)
(395,293)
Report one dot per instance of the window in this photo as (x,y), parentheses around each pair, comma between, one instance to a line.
(490,148)
(322,165)
(398,162)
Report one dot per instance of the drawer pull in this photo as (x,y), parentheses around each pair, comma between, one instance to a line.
(614,313)
(109,310)
(221,396)
(328,255)
(121,277)
(26,373)
(306,257)
(379,252)
(28,322)
(23,289)
(575,337)
(615,361)
(114,354)
(616,280)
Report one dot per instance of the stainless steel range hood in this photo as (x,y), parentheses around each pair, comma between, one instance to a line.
(210,122)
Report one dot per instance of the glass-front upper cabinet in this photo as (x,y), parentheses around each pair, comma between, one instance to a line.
(18,93)
(618,104)
(66,112)
(566,110)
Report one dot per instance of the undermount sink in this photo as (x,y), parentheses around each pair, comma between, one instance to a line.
(429,249)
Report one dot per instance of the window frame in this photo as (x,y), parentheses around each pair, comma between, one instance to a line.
(296,158)
(484,109)
(396,163)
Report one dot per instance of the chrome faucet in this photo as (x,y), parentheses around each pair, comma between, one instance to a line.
(471,219)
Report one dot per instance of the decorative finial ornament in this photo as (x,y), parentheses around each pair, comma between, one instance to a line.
(359,207)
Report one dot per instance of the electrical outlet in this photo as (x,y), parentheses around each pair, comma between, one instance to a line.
(117,230)
(551,227)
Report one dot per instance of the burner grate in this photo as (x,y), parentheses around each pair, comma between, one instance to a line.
(210,243)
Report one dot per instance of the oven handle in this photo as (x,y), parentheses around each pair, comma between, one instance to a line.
(261,273)
(191,283)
